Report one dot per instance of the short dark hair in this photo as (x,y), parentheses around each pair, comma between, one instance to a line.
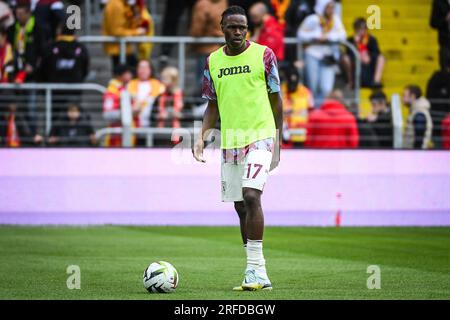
(3,31)
(414,89)
(121,69)
(378,96)
(232,11)
(359,23)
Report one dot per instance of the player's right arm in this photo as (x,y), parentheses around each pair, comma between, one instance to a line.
(209,122)
(211,113)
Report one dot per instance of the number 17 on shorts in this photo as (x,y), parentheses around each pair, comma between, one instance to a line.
(252,173)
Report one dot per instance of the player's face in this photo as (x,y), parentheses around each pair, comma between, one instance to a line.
(234,28)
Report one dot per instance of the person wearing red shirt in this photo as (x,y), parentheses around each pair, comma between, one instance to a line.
(445,129)
(332,125)
(268,31)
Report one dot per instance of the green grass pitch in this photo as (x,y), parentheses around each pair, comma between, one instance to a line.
(303,263)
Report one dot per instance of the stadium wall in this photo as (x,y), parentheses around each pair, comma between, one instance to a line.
(166,187)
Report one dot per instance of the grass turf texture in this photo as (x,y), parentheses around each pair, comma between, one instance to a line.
(303,263)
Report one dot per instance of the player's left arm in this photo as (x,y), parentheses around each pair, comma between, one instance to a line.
(276,103)
(277,109)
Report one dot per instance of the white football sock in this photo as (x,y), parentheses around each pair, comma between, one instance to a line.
(255,257)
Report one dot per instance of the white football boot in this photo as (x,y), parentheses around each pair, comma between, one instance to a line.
(255,280)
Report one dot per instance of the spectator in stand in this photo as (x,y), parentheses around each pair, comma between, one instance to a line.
(332,125)
(111,101)
(14,128)
(6,57)
(49,15)
(446,132)
(171,101)
(320,57)
(119,21)
(376,131)
(28,44)
(206,16)
(144,20)
(440,20)
(381,120)
(297,100)
(73,129)
(6,15)
(66,61)
(267,30)
(438,93)
(174,10)
(372,61)
(419,125)
(144,90)
(297,11)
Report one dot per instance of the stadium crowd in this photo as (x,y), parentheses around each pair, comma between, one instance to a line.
(36,46)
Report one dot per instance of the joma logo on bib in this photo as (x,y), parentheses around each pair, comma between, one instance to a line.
(233,70)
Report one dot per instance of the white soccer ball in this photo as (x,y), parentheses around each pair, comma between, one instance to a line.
(160,277)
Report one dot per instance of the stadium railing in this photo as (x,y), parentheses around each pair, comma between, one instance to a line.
(49,90)
(182,42)
(127,131)
(397,121)
(149,133)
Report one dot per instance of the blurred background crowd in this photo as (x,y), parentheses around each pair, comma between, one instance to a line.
(409,55)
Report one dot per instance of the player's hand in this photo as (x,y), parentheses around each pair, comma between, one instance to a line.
(198,150)
(275,162)
(275,156)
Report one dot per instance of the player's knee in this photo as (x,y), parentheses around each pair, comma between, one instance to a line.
(252,198)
